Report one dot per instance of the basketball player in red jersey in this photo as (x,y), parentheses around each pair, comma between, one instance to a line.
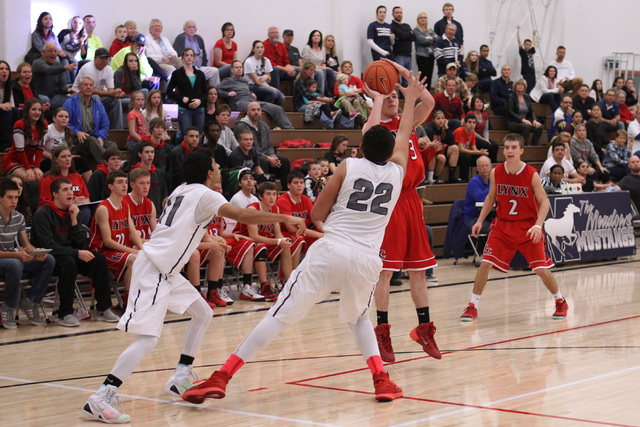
(142,209)
(522,208)
(405,245)
(113,232)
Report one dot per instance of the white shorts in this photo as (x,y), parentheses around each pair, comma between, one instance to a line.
(328,266)
(151,295)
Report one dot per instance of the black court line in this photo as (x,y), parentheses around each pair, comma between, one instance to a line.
(527,274)
(147,371)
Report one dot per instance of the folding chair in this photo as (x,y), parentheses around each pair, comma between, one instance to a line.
(475,243)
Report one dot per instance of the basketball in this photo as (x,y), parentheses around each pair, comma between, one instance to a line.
(381,77)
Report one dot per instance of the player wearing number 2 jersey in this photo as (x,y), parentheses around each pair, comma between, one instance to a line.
(113,233)
(355,206)
(406,244)
(157,285)
(522,208)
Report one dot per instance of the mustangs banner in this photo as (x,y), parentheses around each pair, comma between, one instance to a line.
(589,226)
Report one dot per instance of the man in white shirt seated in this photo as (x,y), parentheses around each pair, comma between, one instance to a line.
(566,74)
(558,158)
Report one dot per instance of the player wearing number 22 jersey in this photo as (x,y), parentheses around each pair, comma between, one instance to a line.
(355,206)
(118,217)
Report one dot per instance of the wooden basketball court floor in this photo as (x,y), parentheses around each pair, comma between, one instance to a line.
(514,366)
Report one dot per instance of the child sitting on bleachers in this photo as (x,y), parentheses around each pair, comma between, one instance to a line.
(314,182)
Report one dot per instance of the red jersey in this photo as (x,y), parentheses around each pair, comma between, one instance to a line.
(141,215)
(79,187)
(287,206)
(265,230)
(118,225)
(514,194)
(216,225)
(468,140)
(415,166)
(25,151)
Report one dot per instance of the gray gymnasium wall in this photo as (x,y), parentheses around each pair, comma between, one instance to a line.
(577,24)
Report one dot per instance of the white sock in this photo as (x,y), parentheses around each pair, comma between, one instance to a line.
(429,175)
(132,355)
(475,299)
(365,337)
(201,315)
(558,295)
(260,337)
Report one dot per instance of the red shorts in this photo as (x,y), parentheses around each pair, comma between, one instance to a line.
(508,236)
(307,239)
(427,155)
(10,167)
(235,256)
(116,262)
(406,245)
(273,251)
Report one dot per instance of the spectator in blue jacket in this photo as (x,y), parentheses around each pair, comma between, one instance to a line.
(610,112)
(89,122)
(477,191)
(501,90)
(486,70)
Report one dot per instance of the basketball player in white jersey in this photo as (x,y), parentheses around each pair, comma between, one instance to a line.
(156,283)
(355,207)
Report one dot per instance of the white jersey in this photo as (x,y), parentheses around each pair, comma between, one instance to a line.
(181,226)
(364,204)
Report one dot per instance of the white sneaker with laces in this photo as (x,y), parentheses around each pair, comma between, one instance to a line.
(224,295)
(249,294)
(107,316)
(69,321)
(99,406)
(180,381)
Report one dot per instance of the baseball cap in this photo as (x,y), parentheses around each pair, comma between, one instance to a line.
(243,172)
(101,53)
(287,32)
(452,65)
(140,39)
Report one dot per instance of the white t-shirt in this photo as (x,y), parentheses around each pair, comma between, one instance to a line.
(566,164)
(181,226)
(242,201)
(565,69)
(102,79)
(253,65)
(53,138)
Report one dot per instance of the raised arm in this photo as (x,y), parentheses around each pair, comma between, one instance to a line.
(411,93)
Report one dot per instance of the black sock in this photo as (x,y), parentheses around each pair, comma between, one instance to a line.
(423,315)
(212,285)
(246,278)
(112,380)
(198,288)
(186,360)
(452,172)
(383,317)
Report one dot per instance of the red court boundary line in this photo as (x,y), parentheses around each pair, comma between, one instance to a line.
(303,381)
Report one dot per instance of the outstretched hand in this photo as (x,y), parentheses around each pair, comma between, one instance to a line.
(415,86)
(373,94)
(402,72)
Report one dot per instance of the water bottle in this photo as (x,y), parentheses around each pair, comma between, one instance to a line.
(167,120)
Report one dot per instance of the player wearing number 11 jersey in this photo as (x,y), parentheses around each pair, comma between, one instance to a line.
(522,207)
(355,207)
(156,283)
